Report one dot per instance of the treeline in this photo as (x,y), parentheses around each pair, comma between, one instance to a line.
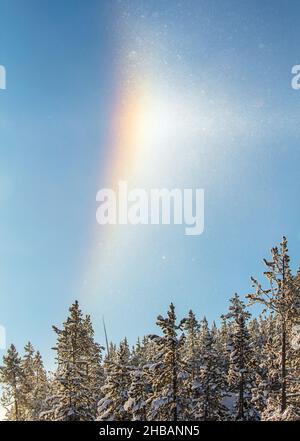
(245,369)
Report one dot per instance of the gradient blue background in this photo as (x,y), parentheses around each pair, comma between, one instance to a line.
(62,75)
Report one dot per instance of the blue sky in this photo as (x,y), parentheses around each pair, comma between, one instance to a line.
(65,64)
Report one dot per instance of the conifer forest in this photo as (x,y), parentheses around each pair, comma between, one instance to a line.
(246,367)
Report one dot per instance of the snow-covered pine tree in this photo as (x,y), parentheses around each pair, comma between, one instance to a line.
(241,361)
(210,386)
(112,352)
(111,406)
(136,404)
(138,356)
(93,364)
(140,387)
(281,297)
(293,374)
(72,392)
(40,388)
(28,380)
(266,349)
(149,350)
(221,344)
(168,372)
(191,357)
(34,384)
(191,330)
(12,378)
(50,403)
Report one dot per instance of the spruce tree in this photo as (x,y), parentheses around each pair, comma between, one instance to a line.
(40,387)
(241,361)
(93,365)
(28,381)
(191,330)
(34,384)
(266,347)
(167,401)
(12,378)
(281,298)
(136,404)
(73,389)
(191,358)
(211,384)
(111,406)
